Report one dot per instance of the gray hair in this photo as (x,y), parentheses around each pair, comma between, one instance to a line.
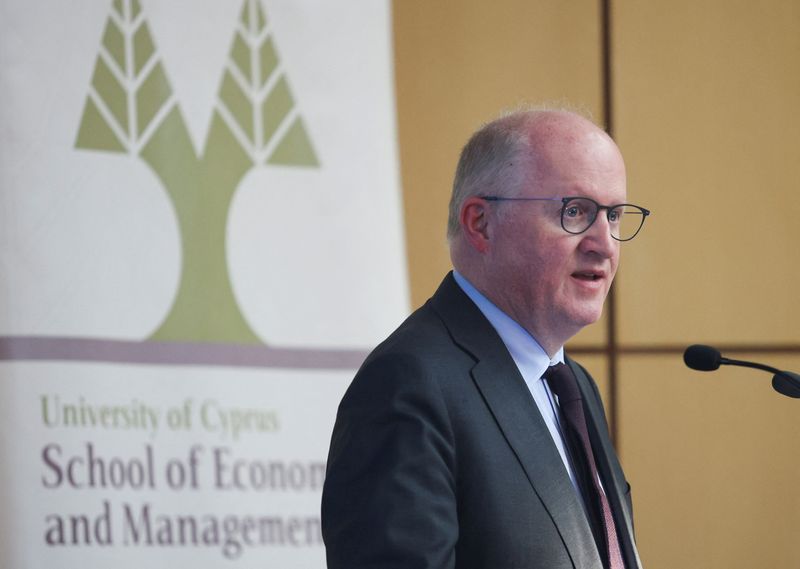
(496,159)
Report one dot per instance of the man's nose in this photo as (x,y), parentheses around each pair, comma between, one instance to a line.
(597,238)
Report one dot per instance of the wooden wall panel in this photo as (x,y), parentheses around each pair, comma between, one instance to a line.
(705,99)
(713,461)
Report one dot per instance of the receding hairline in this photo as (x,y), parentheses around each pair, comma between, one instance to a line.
(511,132)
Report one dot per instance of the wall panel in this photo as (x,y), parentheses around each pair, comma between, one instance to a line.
(705,96)
(713,462)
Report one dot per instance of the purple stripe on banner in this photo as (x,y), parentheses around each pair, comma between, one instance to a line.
(15,348)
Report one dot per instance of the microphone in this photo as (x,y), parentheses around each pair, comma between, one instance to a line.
(706,358)
(702,358)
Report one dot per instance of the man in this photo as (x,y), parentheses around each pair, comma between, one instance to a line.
(450,450)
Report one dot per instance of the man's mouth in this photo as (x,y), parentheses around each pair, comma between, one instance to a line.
(588,275)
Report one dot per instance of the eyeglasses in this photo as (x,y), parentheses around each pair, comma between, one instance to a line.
(578,215)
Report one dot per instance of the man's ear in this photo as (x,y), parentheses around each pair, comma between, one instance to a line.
(475,222)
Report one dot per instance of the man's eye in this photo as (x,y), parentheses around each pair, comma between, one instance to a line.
(614,215)
(573,211)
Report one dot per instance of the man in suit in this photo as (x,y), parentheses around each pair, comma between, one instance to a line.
(450,450)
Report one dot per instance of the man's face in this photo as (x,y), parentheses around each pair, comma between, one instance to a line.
(552,282)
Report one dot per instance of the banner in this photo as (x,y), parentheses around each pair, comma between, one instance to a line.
(201,240)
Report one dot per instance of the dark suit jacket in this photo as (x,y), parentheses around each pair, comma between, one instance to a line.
(440,458)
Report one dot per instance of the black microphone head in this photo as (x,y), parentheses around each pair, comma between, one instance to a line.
(787,383)
(702,358)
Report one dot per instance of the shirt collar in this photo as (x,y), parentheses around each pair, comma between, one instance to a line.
(524,349)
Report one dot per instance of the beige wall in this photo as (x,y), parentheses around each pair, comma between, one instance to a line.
(704,96)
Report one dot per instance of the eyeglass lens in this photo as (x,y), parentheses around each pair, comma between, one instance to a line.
(624,220)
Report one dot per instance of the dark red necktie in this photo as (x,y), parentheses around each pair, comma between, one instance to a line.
(563,383)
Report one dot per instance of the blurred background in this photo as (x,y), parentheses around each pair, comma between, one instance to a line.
(702,98)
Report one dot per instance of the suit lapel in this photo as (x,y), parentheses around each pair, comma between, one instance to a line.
(510,402)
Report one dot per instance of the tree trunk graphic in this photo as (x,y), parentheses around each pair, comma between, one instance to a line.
(130,108)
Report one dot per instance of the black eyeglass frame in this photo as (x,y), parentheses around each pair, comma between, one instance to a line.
(565,202)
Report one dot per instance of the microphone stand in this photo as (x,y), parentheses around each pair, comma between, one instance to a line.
(784,382)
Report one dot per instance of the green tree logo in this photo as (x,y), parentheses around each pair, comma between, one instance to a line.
(131,109)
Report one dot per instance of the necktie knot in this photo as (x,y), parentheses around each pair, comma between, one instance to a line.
(562,382)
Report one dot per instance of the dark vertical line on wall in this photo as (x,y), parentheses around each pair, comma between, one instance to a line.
(611,303)
(605,39)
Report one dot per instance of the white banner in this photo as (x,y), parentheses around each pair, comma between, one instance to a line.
(202,236)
